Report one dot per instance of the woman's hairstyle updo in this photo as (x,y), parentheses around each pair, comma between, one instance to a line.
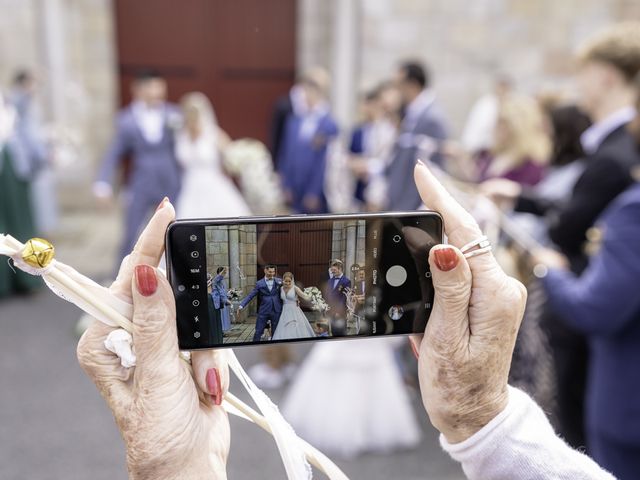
(287,275)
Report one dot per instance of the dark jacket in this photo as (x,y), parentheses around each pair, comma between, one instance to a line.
(269,301)
(604,304)
(335,297)
(606,175)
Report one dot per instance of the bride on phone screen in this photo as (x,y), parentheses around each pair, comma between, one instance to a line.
(293,323)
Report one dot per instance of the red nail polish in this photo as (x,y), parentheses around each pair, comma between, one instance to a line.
(146,280)
(213,385)
(446,258)
(414,349)
(161,204)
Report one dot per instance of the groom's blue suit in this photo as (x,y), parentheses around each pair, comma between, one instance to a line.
(155,172)
(269,305)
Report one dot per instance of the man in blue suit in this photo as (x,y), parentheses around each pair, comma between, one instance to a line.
(334,294)
(603,304)
(144,133)
(267,290)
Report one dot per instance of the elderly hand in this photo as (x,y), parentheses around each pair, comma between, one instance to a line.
(465,352)
(171,429)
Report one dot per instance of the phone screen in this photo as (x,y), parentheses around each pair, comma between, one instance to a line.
(260,280)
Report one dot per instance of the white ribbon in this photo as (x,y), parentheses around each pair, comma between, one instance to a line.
(98,302)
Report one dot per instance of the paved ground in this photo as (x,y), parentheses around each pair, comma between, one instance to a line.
(54,425)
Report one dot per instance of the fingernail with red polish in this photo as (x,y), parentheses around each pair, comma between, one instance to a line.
(161,204)
(446,258)
(414,349)
(213,385)
(146,280)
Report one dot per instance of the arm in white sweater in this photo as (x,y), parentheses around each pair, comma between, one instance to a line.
(520,444)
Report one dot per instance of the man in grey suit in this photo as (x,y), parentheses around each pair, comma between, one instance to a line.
(144,133)
(422,127)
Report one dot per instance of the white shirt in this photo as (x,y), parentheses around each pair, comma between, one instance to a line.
(269,283)
(592,137)
(149,120)
(519,443)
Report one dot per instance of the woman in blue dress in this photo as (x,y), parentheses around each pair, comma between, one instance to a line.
(220,299)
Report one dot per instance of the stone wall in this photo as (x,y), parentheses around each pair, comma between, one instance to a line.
(348,243)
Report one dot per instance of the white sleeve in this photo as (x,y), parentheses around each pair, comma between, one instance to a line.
(520,443)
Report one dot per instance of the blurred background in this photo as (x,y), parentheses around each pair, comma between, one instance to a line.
(67,67)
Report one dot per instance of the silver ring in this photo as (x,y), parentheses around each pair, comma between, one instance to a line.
(483,246)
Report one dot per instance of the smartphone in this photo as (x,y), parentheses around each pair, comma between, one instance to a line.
(258,280)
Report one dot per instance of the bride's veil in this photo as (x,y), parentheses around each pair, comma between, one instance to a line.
(199,102)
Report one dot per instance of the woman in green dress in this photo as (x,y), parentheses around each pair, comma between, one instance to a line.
(16,217)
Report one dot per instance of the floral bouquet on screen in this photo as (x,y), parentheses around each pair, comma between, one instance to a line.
(318,304)
(234,294)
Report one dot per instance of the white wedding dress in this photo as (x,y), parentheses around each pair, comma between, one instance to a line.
(292,323)
(348,397)
(206,190)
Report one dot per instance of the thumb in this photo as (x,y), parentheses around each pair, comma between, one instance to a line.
(448,324)
(154,327)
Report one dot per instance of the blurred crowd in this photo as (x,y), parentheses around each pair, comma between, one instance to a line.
(561,172)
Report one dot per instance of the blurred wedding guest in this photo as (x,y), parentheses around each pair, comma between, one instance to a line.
(293,103)
(567,123)
(220,298)
(303,156)
(360,387)
(16,217)
(30,134)
(608,63)
(422,122)
(144,134)
(602,303)
(478,134)
(521,146)
(206,191)
(371,143)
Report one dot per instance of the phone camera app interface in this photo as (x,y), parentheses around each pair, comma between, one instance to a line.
(252,283)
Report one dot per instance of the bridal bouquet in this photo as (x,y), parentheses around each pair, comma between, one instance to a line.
(234,294)
(250,161)
(318,303)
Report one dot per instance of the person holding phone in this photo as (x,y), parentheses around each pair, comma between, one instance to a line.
(464,357)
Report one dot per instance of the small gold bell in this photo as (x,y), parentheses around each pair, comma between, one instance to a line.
(38,252)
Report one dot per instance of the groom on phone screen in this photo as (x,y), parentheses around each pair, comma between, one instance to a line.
(269,302)
(335,297)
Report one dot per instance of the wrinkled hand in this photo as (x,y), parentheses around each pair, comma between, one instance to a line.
(465,352)
(171,429)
